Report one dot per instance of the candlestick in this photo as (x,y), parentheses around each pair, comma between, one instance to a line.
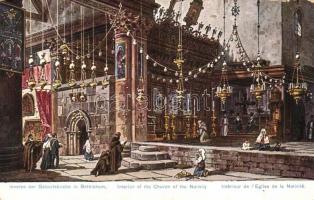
(194,107)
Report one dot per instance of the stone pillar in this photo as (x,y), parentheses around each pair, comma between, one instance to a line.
(10,122)
(131,116)
(11,149)
(123,84)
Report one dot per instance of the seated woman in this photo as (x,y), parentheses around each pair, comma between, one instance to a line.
(200,169)
(88,155)
(262,141)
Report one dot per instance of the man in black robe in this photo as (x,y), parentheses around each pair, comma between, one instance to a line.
(110,160)
(32,153)
(103,164)
(116,149)
(55,145)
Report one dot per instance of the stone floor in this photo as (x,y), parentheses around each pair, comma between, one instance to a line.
(75,168)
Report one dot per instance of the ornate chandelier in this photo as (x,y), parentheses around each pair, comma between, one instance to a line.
(298,88)
(179,61)
(223,90)
(258,87)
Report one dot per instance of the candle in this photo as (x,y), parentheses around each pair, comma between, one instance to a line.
(188,103)
(165,104)
(194,106)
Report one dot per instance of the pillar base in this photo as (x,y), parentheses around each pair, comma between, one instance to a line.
(11,158)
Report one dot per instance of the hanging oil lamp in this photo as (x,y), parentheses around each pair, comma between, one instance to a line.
(224,90)
(298,88)
(57,82)
(72,81)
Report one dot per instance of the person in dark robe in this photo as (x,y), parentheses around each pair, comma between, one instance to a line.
(46,160)
(55,145)
(251,123)
(116,149)
(32,153)
(310,129)
(103,164)
(238,123)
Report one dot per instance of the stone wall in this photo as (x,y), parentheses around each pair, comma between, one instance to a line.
(306,43)
(99,112)
(257,162)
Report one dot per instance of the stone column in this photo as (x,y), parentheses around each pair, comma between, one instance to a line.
(131,116)
(123,77)
(11,118)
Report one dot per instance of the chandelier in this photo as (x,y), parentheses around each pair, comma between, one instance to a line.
(223,90)
(179,61)
(258,87)
(298,88)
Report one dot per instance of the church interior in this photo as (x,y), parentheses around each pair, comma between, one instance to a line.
(176,74)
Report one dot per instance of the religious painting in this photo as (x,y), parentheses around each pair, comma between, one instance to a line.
(121,60)
(11,38)
(158,100)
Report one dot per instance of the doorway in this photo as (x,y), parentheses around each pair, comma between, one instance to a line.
(83,135)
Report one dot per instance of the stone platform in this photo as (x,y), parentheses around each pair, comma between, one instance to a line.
(296,161)
(148,158)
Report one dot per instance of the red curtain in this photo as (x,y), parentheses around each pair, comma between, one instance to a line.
(44,108)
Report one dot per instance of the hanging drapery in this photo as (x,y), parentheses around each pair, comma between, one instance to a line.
(44,108)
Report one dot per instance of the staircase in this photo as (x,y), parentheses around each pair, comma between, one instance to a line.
(148,158)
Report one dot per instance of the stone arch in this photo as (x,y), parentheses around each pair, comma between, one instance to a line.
(74,117)
(75,135)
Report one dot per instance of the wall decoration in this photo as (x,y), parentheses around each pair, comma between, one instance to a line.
(28,108)
(120,61)
(34,128)
(11,38)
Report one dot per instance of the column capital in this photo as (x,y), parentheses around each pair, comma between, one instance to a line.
(127,21)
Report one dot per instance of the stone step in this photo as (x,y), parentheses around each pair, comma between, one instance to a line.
(149,156)
(126,154)
(148,148)
(148,165)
